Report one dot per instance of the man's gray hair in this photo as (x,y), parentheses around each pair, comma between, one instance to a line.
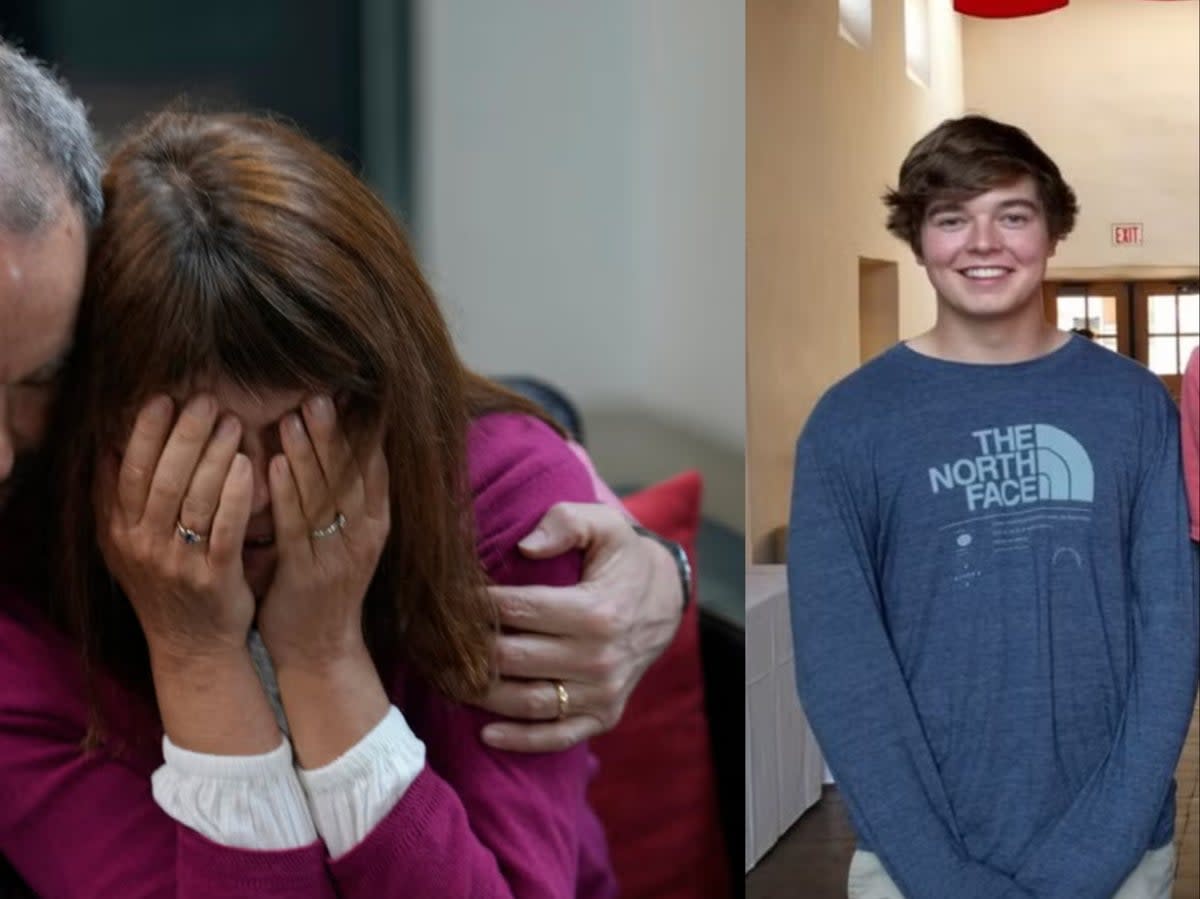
(46,147)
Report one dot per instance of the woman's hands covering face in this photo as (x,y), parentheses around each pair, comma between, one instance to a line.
(171,520)
(172,514)
(332,515)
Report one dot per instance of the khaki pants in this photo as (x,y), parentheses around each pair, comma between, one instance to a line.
(1151,879)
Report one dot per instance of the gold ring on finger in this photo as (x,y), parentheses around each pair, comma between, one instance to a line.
(564,699)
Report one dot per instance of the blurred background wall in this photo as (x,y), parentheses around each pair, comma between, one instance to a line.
(581,209)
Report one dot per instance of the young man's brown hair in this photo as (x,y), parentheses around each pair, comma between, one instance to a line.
(964,157)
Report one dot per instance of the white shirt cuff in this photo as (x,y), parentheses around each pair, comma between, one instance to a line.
(355,791)
(243,801)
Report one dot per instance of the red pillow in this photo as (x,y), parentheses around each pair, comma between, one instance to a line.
(656,789)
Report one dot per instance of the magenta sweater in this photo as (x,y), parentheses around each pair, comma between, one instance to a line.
(476,822)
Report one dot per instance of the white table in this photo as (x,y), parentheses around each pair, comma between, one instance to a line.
(784,767)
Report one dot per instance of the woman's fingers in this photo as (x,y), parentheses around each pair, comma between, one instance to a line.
(208,481)
(304,466)
(316,493)
(324,469)
(329,442)
(232,514)
(177,463)
(140,458)
(313,609)
(291,527)
(186,594)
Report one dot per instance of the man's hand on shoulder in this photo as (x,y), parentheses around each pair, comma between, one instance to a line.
(594,639)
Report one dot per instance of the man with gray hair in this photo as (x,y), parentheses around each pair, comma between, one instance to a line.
(49,200)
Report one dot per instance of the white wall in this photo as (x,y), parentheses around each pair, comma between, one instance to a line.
(580,196)
(1111,90)
(690,208)
(524,187)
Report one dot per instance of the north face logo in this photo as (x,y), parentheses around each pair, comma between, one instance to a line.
(1018,465)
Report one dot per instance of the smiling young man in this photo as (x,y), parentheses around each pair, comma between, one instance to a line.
(993,602)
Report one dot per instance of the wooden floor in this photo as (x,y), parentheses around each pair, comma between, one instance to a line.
(811,860)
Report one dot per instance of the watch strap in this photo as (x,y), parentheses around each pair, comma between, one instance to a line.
(682,564)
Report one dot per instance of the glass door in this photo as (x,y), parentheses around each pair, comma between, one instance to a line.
(1100,310)
(1155,322)
(1166,328)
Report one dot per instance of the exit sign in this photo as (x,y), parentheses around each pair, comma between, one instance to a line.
(1127,234)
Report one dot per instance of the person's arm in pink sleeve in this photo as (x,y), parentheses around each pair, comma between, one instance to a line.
(76,823)
(477,821)
(603,632)
(480,821)
(604,493)
(494,825)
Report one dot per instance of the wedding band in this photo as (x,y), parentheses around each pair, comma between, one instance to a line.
(330,529)
(190,537)
(564,700)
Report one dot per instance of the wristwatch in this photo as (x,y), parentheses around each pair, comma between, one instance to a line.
(679,554)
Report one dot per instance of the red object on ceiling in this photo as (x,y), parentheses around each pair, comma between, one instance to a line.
(1006,9)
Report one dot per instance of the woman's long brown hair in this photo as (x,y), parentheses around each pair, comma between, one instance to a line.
(232,246)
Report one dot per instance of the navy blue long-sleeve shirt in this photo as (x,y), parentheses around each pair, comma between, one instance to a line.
(994,610)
